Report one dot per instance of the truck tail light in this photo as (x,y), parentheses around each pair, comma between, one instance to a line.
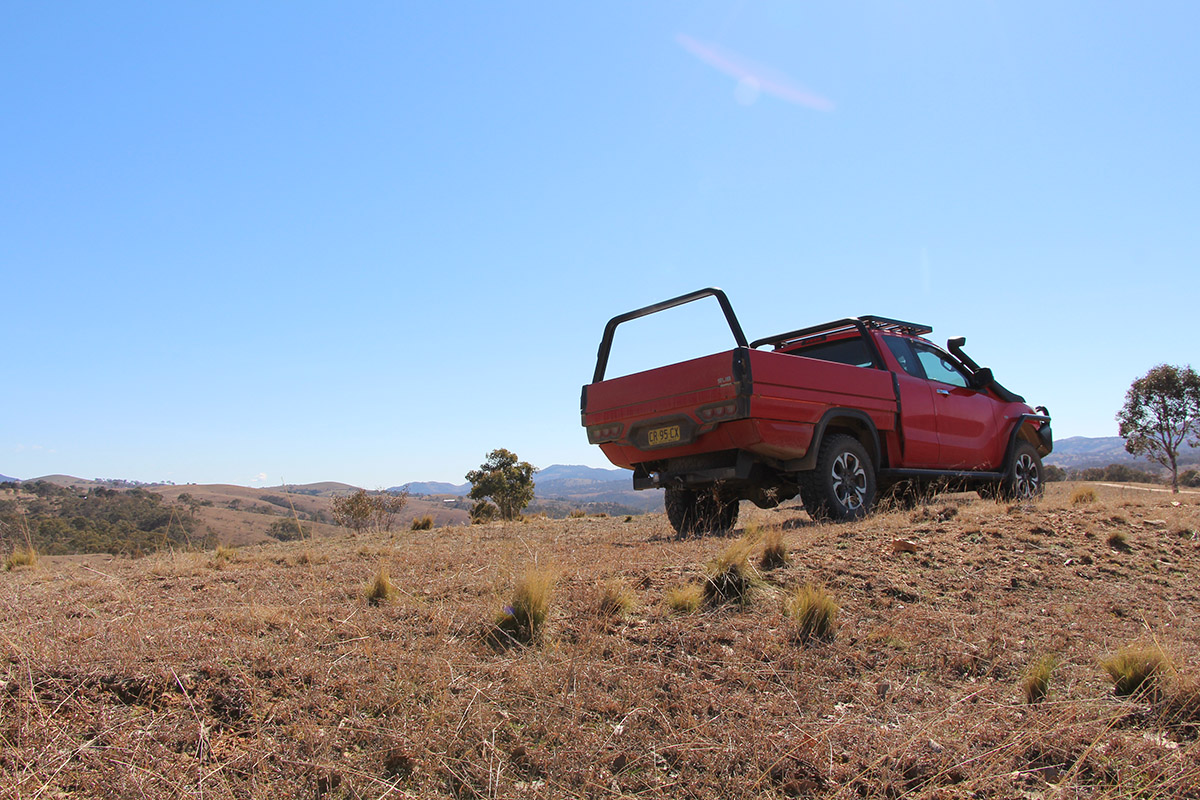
(605,433)
(718,412)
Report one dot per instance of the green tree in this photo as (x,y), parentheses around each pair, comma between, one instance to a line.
(1161,412)
(288,529)
(508,482)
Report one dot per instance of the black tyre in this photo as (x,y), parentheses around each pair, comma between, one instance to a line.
(1024,479)
(700,511)
(842,487)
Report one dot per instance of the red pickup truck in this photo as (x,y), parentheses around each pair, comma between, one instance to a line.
(840,414)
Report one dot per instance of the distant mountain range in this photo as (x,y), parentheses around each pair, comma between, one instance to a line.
(564,482)
(581,485)
(1081,452)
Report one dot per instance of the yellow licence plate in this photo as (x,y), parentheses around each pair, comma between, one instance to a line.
(665,435)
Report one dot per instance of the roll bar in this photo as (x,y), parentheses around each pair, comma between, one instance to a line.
(611,327)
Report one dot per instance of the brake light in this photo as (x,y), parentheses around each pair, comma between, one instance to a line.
(605,433)
(712,413)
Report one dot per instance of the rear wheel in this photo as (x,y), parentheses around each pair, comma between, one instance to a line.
(699,511)
(1023,481)
(842,487)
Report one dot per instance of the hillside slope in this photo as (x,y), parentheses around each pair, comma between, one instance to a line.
(268,674)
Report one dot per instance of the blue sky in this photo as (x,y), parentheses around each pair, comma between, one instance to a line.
(370,242)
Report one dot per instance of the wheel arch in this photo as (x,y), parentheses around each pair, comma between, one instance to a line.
(849,421)
(1024,431)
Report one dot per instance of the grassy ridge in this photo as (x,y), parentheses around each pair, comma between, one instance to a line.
(271,672)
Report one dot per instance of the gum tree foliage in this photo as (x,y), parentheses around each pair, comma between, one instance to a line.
(56,520)
(363,510)
(505,480)
(1161,412)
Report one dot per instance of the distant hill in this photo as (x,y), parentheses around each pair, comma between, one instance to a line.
(584,485)
(1081,452)
(434,487)
(321,489)
(8,479)
(63,480)
(571,484)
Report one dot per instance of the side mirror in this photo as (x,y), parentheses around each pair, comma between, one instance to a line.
(982,378)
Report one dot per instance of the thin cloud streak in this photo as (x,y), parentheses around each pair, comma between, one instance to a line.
(761,78)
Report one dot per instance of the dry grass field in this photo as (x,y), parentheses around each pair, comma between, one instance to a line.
(372,667)
(232,513)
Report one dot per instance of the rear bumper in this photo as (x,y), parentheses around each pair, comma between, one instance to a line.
(771,439)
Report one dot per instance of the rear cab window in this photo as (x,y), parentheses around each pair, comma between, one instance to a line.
(852,351)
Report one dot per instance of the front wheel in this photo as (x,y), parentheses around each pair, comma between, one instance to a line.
(842,487)
(1023,481)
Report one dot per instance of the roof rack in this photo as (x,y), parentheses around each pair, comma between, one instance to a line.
(824,331)
(896,326)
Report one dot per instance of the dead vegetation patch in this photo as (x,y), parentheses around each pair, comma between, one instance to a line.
(271,677)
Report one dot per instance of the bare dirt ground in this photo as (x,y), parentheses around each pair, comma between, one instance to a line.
(269,674)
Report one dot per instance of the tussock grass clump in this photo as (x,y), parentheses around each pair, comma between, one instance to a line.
(814,611)
(308,557)
(1083,495)
(21,557)
(380,589)
(1137,669)
(729,578)
(774,552)
(1035,684)
(1118,541)
(225,553)
(577,513)
(685,598)
(524,618)
(615,599)
(424,523)
(1181,704)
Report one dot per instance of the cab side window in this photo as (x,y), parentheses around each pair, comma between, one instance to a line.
(938,367)
(904,354)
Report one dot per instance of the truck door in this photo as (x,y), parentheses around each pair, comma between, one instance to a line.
(918,412)
(968,436)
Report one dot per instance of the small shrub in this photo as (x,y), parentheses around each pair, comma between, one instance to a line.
(424,523)
(288,530)
(1083,495)
(615,599)
(524,618)
(380,589)
(577,513)
(224,553)
(729,577)
(1035,684)
(628,518)
(1137,670)
(685,598)
(21,557)
(774,553)
(814,611)
(1117,541)
(482,512)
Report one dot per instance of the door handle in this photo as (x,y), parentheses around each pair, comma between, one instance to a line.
(944,391)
